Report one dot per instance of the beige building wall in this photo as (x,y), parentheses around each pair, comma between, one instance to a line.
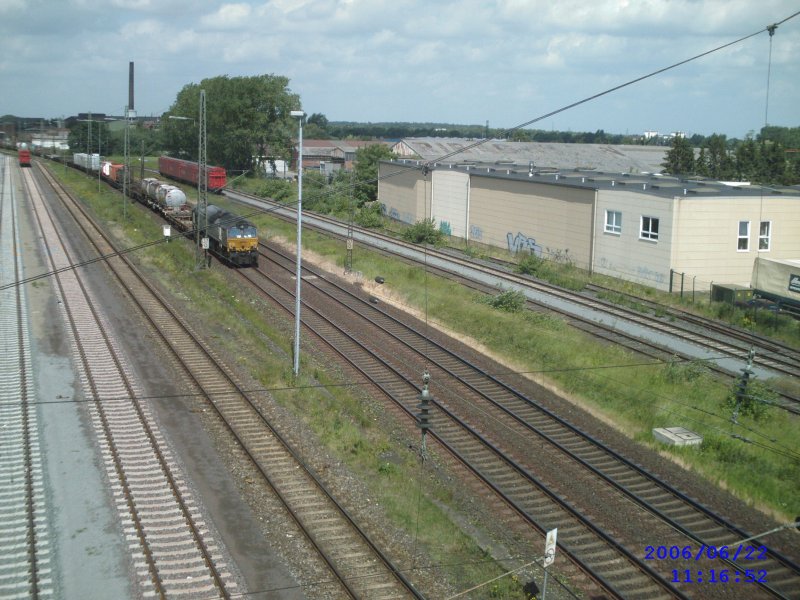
(625,254)
(708,247)
(403,192)
(553,221)
(450,204)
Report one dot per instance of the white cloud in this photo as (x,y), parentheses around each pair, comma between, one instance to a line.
(228,16)
(451,60)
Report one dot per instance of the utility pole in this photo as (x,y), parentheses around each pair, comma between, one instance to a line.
(348,259)
(741,388)
(202,186)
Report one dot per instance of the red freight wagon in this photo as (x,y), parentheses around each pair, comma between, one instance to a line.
(184,170)
(112,171)
(24,156)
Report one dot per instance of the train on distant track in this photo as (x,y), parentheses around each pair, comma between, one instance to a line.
(24,156)
(231,238)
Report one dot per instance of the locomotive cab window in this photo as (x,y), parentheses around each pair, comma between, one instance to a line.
(250,231)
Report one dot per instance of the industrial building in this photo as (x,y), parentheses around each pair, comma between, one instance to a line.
(661,231)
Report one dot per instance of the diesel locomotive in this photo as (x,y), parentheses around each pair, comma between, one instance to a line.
(231,237)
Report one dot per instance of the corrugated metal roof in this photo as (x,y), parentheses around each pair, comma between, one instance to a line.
(601,157)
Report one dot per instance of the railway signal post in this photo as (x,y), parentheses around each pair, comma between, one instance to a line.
(423,416)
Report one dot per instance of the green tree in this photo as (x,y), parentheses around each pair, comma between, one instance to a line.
(701,163)
(680,158)
(747,160)
(366,171)
(774,167)
(720,164)
(246,117)
(319,120)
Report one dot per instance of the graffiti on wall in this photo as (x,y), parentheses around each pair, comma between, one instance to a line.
(475,232)
(445,228)
(395,214)
(524,243)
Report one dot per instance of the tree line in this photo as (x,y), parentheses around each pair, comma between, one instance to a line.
(772,157)
(248,122)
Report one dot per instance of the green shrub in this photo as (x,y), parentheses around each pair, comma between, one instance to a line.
(370,215)
(424,232)
(754,401)
(279,190)
(509,301)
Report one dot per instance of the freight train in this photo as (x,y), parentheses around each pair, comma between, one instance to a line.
(231,238)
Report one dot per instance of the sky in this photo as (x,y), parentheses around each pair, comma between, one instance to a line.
(433,61)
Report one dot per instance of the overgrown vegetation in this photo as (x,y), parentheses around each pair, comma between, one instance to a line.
(754,399)
(509,301)
(559,270)
(424,232)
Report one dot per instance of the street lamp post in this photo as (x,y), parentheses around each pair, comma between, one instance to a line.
(299,115)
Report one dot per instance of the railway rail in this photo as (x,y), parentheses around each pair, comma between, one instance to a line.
(25,550)
(603,569)
(716,340)
(358,567)
(174,552)
(493,405)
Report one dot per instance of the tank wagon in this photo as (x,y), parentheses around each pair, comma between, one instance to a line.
(231,237)
(188,172)
(24,156)
(164,198)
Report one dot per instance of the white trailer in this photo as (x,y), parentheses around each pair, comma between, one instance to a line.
(777,280)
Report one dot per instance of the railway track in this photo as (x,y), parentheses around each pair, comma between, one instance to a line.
(727,341)
(470,396)
(357,566)
(25,550)
(173,551)
(673,329)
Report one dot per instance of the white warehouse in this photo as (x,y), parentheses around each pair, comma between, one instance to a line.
(657,230)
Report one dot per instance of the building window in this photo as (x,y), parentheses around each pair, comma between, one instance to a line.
(764,235)
(613,221)
(743,243)
(649,230)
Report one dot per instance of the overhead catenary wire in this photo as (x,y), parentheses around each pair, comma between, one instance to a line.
(425,167)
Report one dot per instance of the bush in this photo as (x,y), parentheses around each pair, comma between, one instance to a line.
(530,265)
(424,232)
(755,400)
(370,215)
(509,301)
(279,190)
